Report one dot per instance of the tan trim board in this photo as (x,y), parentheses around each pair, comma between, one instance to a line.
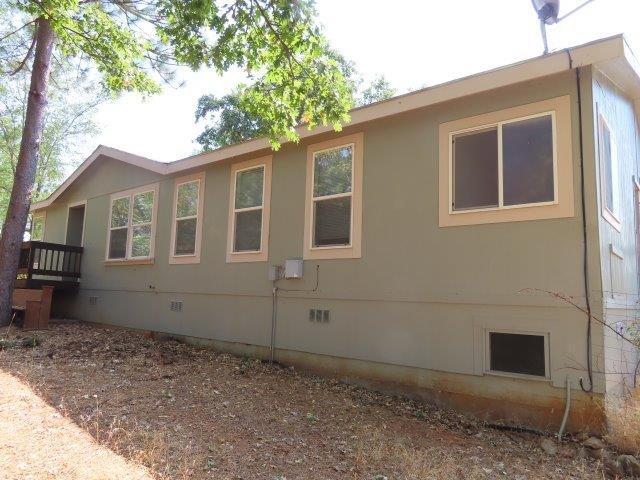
(114,263)
(195,257)
(354,249)
(261,255)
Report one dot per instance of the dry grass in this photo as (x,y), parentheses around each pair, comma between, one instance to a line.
(624,423)
(186,412)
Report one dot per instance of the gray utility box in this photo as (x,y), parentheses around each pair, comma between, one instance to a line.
(293,268)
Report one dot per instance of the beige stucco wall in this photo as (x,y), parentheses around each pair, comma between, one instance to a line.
(420,295)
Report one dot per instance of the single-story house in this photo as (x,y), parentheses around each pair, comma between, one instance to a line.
(412,251)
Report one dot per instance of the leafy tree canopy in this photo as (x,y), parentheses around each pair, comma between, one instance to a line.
(135,44)
(228,120)
(68,123)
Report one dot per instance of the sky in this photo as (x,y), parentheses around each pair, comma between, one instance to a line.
(413,43)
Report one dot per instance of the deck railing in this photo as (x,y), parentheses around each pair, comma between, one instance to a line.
(49,263)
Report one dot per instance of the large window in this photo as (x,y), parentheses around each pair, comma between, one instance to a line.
(334,199)
(186,230)
(132,216)
(510,165)
(37,226)
(249,210)
(609,174)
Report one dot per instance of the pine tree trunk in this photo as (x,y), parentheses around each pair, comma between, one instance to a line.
(24,178)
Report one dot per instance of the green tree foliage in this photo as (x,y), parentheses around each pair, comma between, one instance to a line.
(228,121)
(68,124)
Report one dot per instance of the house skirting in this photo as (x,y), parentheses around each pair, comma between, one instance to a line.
(495,399)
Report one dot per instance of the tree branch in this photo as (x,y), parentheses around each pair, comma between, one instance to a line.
(26,57)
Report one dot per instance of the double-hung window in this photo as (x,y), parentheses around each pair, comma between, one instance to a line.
(509,165)
(186,231)
(249,211)
(334,198)
(132,219)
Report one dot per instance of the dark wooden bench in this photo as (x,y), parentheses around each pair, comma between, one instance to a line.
(34,305)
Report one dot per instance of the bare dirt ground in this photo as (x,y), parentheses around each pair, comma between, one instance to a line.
(178,411)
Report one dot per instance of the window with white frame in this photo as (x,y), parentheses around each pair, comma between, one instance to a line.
(332,196)
(37,226)
(249,199)
(504,165)
(247,209)
(132,217)
(609,174)
(187,218)
(333,203)
(518,353)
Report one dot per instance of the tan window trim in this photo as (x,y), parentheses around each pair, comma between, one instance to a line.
(261,255)
(341,251)
(194,257)
(144,261)
(154,187)
(562,206)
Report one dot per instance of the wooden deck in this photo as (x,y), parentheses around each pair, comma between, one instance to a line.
(44,263)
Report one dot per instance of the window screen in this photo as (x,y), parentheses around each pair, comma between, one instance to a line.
(131,226)
(119,228)
(519,173)
(332,191)
(517,353)
(475,167)
(332,222)
(186,218)
(141,224)
(248,205)
(527,161)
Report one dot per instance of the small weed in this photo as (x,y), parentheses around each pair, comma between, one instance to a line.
(6,344)
(420,415)
(30,342)
(312,417)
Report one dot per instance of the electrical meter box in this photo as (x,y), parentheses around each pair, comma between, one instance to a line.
(293,268)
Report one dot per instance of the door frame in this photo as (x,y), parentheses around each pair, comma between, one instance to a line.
(84,221)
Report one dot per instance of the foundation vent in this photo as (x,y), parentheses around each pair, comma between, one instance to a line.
(318,315)
(175,305)
(93,300)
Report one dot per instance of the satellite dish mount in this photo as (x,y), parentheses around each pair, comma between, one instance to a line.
(547,11)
